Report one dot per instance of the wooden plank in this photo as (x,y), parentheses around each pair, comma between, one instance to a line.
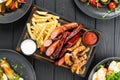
(63,74)
(106,47)
(17,32)
(39,3)
(117,36)
(49,5)
(45,71)
(18,29)
(6,37)
(66,8)
(84,19)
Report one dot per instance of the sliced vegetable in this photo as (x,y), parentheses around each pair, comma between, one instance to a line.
(95,3)
(16,4)
(8,3)
(112,5)
(2,75)
(9,71)
(13,7)
(0,7)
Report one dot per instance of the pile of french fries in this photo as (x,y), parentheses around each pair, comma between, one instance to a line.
(41,26)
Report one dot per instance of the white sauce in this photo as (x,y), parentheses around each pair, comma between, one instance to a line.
(1,1)
(28,47)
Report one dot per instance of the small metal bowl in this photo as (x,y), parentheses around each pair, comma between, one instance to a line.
(98,38)
(28,49)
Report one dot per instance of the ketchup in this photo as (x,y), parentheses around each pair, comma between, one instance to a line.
(90,38)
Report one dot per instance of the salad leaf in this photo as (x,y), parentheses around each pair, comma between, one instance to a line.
(113,76)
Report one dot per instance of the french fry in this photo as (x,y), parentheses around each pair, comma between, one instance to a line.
(29,30)
(41,12)
(41,26)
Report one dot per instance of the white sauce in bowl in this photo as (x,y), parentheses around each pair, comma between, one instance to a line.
(28,47)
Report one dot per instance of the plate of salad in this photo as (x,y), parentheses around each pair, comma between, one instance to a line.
(14,66)
(12,10)
(99,9)
(108,69)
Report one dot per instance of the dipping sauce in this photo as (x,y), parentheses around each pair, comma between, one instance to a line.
(28,47)
(90,38)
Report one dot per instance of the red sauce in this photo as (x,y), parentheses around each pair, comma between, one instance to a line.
(90,38)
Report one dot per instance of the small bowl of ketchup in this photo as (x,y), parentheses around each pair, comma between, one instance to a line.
(91,38)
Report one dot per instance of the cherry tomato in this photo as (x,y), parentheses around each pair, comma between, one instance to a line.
(13,7)
(112,5)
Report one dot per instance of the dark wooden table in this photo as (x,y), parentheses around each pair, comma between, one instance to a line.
(109,46)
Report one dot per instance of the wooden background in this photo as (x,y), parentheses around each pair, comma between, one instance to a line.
(109,46)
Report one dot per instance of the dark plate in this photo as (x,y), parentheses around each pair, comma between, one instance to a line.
(24,67)
(96,12)
(100,63)
(17,14)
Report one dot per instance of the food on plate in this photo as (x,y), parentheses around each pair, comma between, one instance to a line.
(75,46)
(61,43)
(3,75)
(90,38)
(41,26)
(112,5)
(10,73)
(68,48)
(52,48)
(68,60)
(9,5)
(95,3)
(108,72)
(100,74)
(28,47)
(63,28)
(77,59)
(101,5)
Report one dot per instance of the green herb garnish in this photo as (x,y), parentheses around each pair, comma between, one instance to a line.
(88,3)
(109,11)
(100,66)
(113,76)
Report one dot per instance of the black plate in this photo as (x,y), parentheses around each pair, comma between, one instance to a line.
(101,63)
(96,12)
(24,67)
(17,14)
